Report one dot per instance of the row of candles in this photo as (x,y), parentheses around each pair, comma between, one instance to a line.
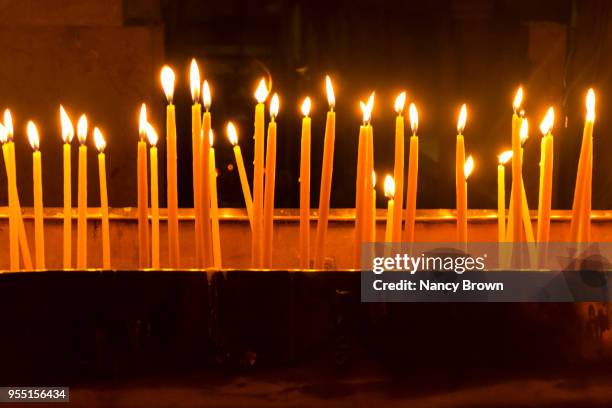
(260,205)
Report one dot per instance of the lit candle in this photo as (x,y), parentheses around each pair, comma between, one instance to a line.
(67,135)
(467,170)
(244,183)
(205,179)
(398,168)
(258,176)
(214,206)
(100,146)
(13,228)
(369,198)
(360,201)
(196,128)
(270,184)
(372,235)
(153,139)
(412,178)
(517,178)
(546,173)
(143,193)
(501,195)
(167,79)
(461,178)
(82,194)
(39,233)
(326,177)
(305,187)
(389,193)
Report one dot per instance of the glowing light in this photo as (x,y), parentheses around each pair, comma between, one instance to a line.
(524,132)
(33,135)
(518,99)
(99,140)
(505,156)
(82,129)
(8,123)
(548,121)
(414,118)
(274,106)
(400,101)
(3,134)
(194,80)
(211,137)
(232,134)
(331,98)
(462,119)
(366,108)
(373,178)
(389,187)
(167,80)
(67,128)
(468,167)
(262,91)
(306,106)
(151,134)
(206,95)
(142,123)
(590,105)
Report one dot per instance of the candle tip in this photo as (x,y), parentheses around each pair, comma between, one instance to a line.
(32,133)
(505,156)
(82,129)
(232,134)
(524,132)
(99,140)
(400,101)
(306,106)
(3,134)
(462,119)
(151,134)
(468,167)
(389,187)
(167,80)
(331,97)
(518,99)
(142,122)
(66,124)
(262,91)
(274,106)
(414,118)
(194,81)
(8,123)
(590,105)
(547,123)
(206,95)
(211,137)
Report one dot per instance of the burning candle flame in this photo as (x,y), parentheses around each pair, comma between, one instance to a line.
(262,91)
(67,128)
(151,134)
(206,95)
(194,81)
(524,132)
(82,129)
(462,119)
(505,156)
(468,167)
(33,135)
(99,140)
(366,109)
(232,134)
(590,105)
(373,178)
(400,101)
(389,187)
(548,121)
(518,99)
(414,118)
(211,137)
(331,98)
(142,123)
(167,80)
(274,106)
(8,123)
(306,107)
(3,134)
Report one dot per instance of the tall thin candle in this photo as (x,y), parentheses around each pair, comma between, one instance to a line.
(100,143)
(398,168)
(360,201)
(517,178)
(390,194)
(244,183)
(13,227)
(153,139)
(546,173)
(82,194)
(467,170)
(258,176)
(270,184)
(461,178)
(214,206)
(205,179)
(305,187)
(369,197)
(143,193)
(413,174)
(39,233)
(196,127)
(67,135)
(501,195)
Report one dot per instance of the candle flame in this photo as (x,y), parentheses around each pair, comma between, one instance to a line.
(151,134)
(99,140)
(67,128)
(306,107)
(3,134)
(548,121)
(400,101)
(524,132)
(505,156)
(518,99)
(274,106)
(33,135)
(232,134)
(462,119)
(590,105)
(194,81)
(8,123)
(206,95)
(142,122)
(389,187)
(373,178)
(167,80)
(211,137)
(82,129)
(331,98)
(414,118)
(468,167)
(366,108)
(262,91)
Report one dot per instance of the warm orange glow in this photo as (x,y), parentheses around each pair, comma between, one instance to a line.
(414,118)
(3,134)
(518,99)
(211,137)
(142,122)
(524,132)
(167,80)
(274,106)
(468,167)
(99,140)
(194,81)
(232,134)
(505,156)
(590,105)
(462,119)
(8,123)
(33,135)
(373,178)
(389,187)
(67,128)
(262,91)
(548,121)
(331,98)
(306,106)
(400,101)
(82,129)
(366,108)
(206,95)
(151,134)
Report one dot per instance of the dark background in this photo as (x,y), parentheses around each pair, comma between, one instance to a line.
(106,60)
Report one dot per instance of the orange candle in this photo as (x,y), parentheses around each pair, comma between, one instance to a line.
(270,184)
(205,179)
(196,127)
(389,193)
(167,79)
(546,173)
(67,135)
(517,178)
(100,146)
(305,187)
(82,194)
(258,176)
(244,183)
(143,193)
(369,197)
(39,234)
(13,227)
(461,178)
(372,234)
(501,195)
(467,170)
(153,139)
(398,168)
(412,178)
(326,177)
(360,182)
(214,206)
